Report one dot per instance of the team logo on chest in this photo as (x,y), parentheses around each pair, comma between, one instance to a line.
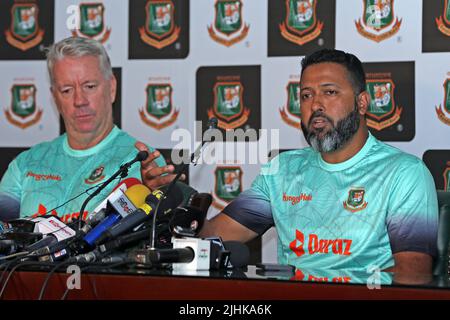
(443,112)
(291,112)
(24,32)
(301,24)
(96,175)
(158,112)
(228,27)
(23,111)
(229,105)
(92,23)
(160,29)
(228,185)
(355,200)
(378,21)
(382,111)
(443,22)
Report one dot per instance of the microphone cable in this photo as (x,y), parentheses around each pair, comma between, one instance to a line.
(25,253)
(6,265)
(24,263)
(96,265)
(47,279)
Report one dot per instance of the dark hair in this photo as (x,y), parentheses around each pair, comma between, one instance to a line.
(351,63)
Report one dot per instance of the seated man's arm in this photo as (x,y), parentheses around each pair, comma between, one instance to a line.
(412,221)
(9,208)
(412,262)
(246,217)
(227,228)
(10,192)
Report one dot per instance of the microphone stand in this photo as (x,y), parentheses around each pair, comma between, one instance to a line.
(123,172)
(194,159)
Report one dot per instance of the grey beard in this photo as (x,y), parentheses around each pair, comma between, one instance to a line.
(337,136)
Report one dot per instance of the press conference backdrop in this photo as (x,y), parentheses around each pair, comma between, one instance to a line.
(181,61)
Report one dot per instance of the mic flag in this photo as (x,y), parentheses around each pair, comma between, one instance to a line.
(144,212)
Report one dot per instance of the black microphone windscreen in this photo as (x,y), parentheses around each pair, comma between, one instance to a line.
(201,201)
(239,253)
(187,218)
(142,155)
(172,200)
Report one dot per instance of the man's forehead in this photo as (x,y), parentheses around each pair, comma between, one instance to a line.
(328,73)
(86,67)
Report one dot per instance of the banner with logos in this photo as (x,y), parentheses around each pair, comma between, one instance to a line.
(181,62)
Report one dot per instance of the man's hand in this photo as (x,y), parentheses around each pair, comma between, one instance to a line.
(153,176)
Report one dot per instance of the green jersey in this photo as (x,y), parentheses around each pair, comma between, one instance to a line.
(349,215)
(48,177)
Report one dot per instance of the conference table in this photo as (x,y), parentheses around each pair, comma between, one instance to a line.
(250,283)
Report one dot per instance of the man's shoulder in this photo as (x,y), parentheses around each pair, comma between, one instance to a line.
(297,155)
(42,149)
(393,155)
(124,136)
(287,160)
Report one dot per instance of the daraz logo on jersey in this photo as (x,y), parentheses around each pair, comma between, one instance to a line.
(319,246)
(301,276)
(42,210)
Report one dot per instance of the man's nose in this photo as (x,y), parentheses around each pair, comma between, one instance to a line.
(80,98)
(317,104)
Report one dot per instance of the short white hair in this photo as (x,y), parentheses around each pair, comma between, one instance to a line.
(78,47)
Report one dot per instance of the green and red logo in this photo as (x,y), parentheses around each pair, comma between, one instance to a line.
(355,200)
(378,20)
(158,112)
(23,111)
(443,111)
(92,22)
(159,30)
(447,177)
(300,24)
(228,185)
(382,111)
(290,113)
(24,32)
(228,27)
(229,105)
(443,22)
(96,175)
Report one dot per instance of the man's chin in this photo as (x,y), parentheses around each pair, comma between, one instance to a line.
(319,134)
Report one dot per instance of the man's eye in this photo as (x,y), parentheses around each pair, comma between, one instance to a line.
(304,96)
(66,91)
(90,86)
(331,92)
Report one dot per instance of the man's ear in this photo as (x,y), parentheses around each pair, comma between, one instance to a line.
(363,102)
(113,88)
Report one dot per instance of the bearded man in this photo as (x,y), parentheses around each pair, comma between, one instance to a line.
(359,202)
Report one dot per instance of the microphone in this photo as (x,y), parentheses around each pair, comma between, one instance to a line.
(202,201)
(188,221)
(8,247)
(187,254)
(122,171)
(120,206)
(212,123)
(178,255)
(53,230)
(118,203)
(139,216)
(104,208)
